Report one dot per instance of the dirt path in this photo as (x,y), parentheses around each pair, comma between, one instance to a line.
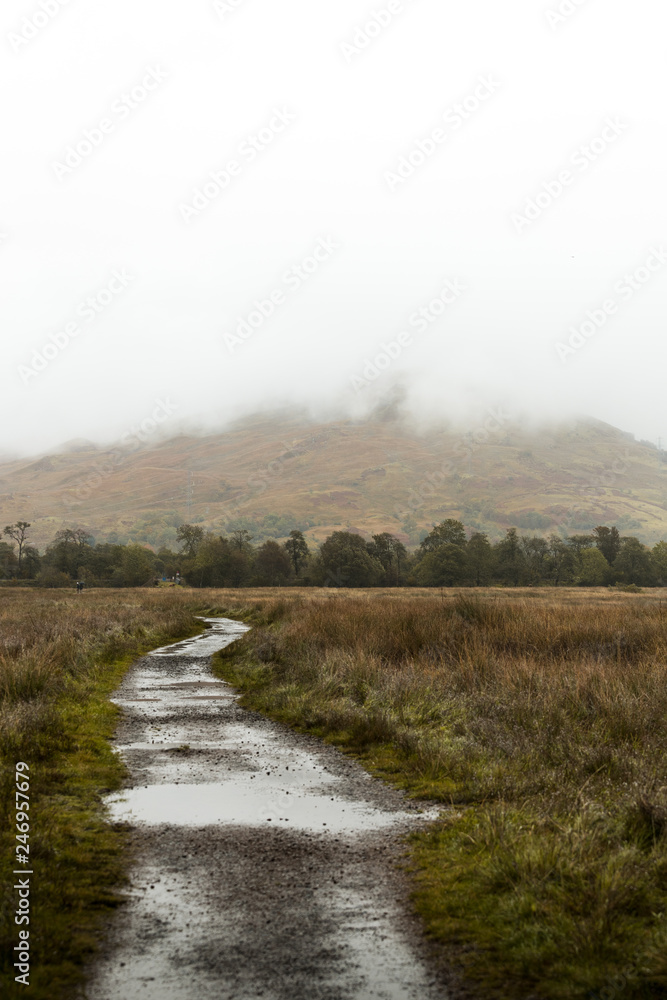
(265,859)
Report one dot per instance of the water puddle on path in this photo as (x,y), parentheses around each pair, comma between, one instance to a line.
(231,802)
(265,858)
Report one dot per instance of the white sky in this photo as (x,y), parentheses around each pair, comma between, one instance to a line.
(355,113)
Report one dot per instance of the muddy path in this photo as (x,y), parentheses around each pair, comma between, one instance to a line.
(265,860)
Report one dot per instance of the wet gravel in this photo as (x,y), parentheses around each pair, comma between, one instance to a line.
(266,862)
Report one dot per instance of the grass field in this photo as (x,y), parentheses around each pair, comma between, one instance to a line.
(536,717)
(61,655)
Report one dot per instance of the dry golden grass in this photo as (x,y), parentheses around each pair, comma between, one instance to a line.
(539,716)
(52,642)
(61,655)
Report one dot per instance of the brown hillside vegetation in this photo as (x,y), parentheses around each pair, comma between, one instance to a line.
(276,472)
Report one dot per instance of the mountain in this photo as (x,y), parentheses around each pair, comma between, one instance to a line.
(278,471)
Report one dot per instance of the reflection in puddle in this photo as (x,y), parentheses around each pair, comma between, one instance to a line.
(239,802)
(221,632)
(247,774)
(209,899)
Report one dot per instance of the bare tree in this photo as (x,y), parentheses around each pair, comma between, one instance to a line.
(19,532)
(241,539)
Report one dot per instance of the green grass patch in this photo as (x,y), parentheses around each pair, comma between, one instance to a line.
(532,910)
(77,857)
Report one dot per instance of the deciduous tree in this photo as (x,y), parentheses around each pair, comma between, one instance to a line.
(297,550)
(443,567)
(190,536)
(449,532)
(137,566)
(479,557)
(659,555)
(393,555)
(608,541)
(272,564)
(510,556)
(19,532)
(347,562)
(633,563)
(593,569)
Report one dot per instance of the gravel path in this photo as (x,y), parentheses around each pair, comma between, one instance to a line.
(265,860)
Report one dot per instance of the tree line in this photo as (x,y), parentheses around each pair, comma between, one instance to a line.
(446,557)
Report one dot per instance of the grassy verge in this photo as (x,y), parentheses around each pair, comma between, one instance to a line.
(540,720)
(61,656)
(77,858)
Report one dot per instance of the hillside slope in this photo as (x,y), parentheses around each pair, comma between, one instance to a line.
(275,472)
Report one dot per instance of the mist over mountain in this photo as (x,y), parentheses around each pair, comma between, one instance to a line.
(387,472)
(160,305)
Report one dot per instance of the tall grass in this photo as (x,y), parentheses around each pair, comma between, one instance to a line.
(541,721)
(537,718)
(61,655)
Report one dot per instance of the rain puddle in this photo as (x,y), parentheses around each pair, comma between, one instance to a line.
(264,859)
(266,782)
(230,802)
(220,633)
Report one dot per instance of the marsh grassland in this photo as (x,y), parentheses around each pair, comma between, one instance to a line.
(61,656)
(537,718)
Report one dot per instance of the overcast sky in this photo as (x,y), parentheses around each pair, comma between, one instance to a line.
(222,206)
